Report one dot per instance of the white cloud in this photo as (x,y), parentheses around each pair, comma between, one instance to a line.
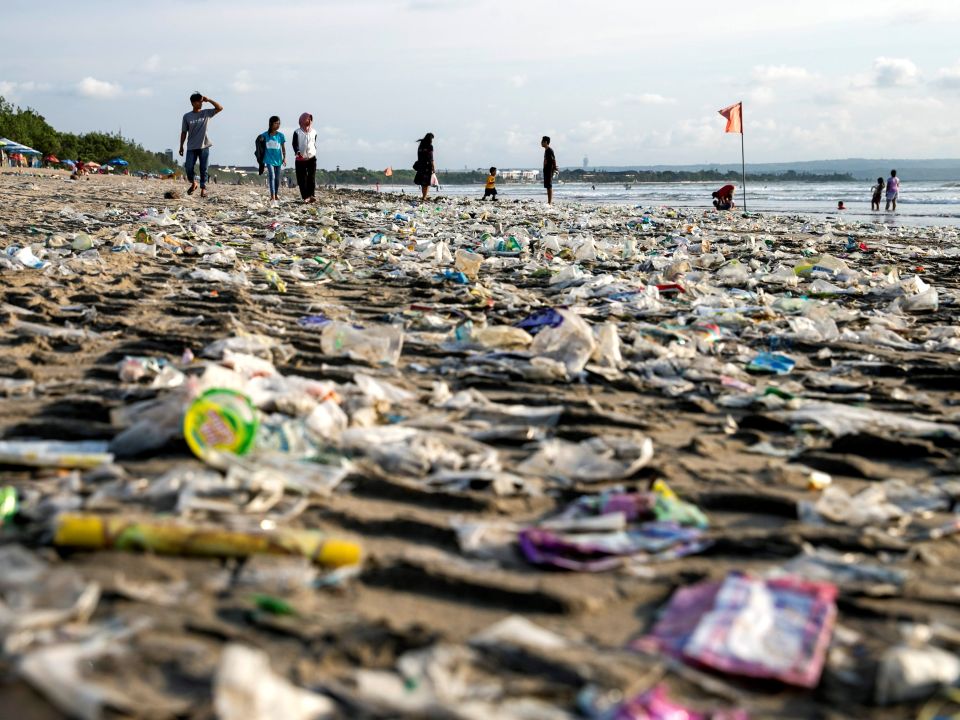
(641,99)
(780,73)
(11,89)
(594,132)
(101,89)
(152,64)
(650,99)
(894,72)
(144,92)
(761,96)
(949,77)
(241,82)
(518,81)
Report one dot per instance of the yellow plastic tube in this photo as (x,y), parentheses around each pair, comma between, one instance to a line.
(169,537)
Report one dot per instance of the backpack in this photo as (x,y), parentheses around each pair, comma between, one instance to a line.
(260,150)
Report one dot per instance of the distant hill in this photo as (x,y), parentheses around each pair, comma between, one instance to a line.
(858,168)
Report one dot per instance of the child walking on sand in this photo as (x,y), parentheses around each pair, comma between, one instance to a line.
(491,188)
(274,157)
(877,193)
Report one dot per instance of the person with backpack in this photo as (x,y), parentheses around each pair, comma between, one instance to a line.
(424,165)
(305,147)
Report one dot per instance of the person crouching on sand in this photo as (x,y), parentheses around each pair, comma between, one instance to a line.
(723,198)
(491,188)
(424,165)
(305,146)
(274,157)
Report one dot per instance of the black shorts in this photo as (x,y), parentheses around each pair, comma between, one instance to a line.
(548,181)
(489,192)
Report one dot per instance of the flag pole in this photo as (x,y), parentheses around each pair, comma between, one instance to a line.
(743,161)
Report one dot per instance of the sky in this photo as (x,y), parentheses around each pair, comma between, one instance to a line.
(622,82)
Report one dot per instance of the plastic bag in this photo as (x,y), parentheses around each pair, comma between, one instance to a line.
(571,342)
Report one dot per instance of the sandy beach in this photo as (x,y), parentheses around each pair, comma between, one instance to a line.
(452,457)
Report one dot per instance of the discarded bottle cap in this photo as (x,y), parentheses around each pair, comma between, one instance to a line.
(220,420)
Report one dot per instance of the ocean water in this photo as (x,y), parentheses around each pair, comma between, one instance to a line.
(920,203)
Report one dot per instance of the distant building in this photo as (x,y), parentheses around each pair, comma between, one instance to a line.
(168,156)
(586,161)
(519,176)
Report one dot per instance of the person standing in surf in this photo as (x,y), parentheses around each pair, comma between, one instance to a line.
(877,194)
(893,191)
(549,167)
(424,165)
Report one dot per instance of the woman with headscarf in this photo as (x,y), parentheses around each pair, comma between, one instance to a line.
(305,146)
(424,165)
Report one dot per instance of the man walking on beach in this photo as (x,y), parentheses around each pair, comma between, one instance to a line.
(194,131)
(549,167)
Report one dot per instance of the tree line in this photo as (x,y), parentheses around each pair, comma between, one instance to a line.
(28,127)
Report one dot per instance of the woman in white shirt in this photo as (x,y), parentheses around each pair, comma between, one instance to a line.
(305,146)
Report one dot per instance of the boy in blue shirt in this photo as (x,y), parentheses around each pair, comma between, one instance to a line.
(274,157)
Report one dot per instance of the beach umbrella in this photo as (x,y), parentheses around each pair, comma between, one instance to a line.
(71,163)
(117,161)
(51,158)
(166,171)
(92,164)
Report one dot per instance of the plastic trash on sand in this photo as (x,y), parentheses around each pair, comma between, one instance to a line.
(220,421)
(167,537)
(571,342)
(915,669)
(468,263)
(777,629)
(771,363)
(841,420)
(655,704)
(53,453)
(601,532)
(379,345)
(877,504)
(246,688)
(592,460)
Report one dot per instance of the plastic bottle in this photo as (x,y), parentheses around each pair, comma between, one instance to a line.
(8,504)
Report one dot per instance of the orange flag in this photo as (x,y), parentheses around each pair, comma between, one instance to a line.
(734,116)
(389,171)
